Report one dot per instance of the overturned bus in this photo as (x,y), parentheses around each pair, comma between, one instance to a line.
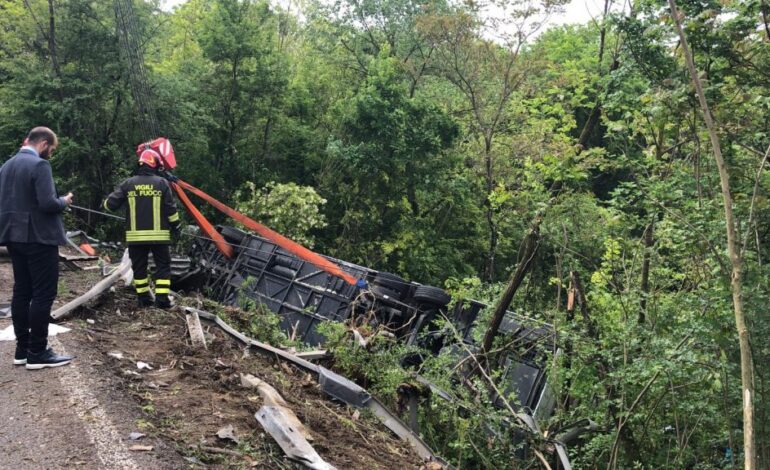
(304,296)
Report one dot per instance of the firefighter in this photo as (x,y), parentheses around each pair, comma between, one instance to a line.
(151,218)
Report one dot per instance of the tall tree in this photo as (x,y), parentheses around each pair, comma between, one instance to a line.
(733,249)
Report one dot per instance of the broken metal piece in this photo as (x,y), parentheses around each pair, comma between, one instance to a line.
(313,355)
(196,330)
(271,397)
(337,383)
(95,291)
(278,424)
(342,389)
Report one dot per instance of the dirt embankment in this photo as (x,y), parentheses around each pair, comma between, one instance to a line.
(179,402)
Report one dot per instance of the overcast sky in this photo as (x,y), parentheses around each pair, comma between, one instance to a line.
(576,12)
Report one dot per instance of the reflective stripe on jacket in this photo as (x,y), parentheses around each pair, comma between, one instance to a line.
(151,209)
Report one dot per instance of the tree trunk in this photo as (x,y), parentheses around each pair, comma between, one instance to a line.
(747,366)
(52,40)
(566,398)
(648,242)
(531,244)
(489,270)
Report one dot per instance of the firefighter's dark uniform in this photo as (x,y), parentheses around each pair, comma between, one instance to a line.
(151,217)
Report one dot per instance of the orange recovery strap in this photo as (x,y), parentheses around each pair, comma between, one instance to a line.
(202,222)
(275,237)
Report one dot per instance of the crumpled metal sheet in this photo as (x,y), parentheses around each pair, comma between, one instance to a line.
(277,423)
(342,389)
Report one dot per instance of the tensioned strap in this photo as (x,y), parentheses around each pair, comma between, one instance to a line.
(202,222)
(273,236)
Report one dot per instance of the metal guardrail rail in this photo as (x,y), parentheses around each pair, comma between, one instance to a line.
(335,386)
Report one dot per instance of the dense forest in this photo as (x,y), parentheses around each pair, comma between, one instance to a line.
(429,138)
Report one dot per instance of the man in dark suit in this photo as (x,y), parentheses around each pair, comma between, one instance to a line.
(31,226)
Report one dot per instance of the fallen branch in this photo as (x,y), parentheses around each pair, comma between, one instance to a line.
(219,450)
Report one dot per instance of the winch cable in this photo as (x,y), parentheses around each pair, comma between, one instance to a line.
(129,36)
(105,214)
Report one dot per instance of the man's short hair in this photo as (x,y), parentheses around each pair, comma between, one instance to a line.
(40,134)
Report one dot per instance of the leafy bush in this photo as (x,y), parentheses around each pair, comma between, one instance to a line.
(290,209)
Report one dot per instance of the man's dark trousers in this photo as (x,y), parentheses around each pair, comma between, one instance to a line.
(36,278)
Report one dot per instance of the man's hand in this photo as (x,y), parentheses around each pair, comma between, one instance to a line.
(68,199)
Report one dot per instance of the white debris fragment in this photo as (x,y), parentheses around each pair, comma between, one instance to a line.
(228,433)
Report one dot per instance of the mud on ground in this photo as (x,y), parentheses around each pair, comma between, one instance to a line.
(190,394)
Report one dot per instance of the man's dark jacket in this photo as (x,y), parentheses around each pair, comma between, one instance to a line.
(30,211)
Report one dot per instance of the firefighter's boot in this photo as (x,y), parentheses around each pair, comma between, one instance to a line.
(144,298)
(162,289)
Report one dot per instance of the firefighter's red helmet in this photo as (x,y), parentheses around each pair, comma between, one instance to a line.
(162,147)
(150,158)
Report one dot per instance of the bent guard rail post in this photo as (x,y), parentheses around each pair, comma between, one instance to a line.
(275,237)
(203,223)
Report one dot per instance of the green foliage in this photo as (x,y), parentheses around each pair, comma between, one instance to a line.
(376,367)
(402,136)
(289,209)
(254,319)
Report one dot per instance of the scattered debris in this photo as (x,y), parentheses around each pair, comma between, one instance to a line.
(140,448)
(334,385)
(196,330)
(143,365)
(96,291)
(135,436)
(279,425)
(90,321)
(7,334)
(227,433)
(116,354)
(271,397)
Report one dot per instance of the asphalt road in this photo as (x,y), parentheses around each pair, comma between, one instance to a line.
(68,417)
